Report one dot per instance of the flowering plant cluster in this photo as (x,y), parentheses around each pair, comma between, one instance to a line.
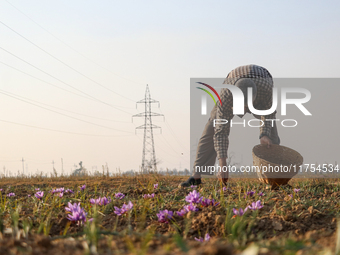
(119,195)
(164,216)
(206,238)
(125,208)
(11,194)
(77,214)
(100,201)
(146,196)
(254,206)
(39,194)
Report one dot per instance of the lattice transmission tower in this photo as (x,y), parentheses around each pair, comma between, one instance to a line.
(149,156)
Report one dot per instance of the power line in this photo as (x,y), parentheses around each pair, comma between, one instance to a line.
(62,108)
(75,70)
(96,99)
(56,85)
(70,46)
(60,131)
(64,114)
(168,144)
(174,135)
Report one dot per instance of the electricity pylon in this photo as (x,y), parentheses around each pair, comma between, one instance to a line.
(149,156)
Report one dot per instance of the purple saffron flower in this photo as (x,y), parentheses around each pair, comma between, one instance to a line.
(193,186)
(61,194)
(207,202)
(119,195)
(190,208)
(78,214)
(58,190)
(29,195)
(82,188)
(206,238)
(296,190)
(199,239)
(182,212)
(255,205)
(100,201)
(105,201)
(261,194)
(95,201)
(155,186)
(71,206)
(239,212)
(250,194)
(37,189)
(11,194)
(290,195)
(39,194)
(125,208)
(224,188)
(193,197)
(0,190)
(164,216)
(69,191)
(146,196)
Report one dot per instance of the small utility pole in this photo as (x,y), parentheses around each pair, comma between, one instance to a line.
(62,167)
(23,168)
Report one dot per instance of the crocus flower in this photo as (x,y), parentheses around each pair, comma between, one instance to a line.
(61,194)
(39,194)
(296,190)
(239,212)
(155,186)
(71,206)
(11,194)
(119,195)
(83,187)
(149,196)
(95,201)
(206,238)
(193,186)
(193,197)
(125,208)
(224,188)
(182,212)
(69,191)
(29,195)
(164,215)
(250,193)
(260,194)
(0,190)
(58,190)
(100,201)
(37,189)
(78,214)
(190,208)
(205,202)
(105,201)
(255,205)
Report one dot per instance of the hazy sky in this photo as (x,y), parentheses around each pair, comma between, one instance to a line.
(120,46)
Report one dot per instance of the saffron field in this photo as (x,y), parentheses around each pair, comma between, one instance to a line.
(149,214)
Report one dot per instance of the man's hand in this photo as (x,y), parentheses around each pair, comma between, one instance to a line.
(266,140)
(223,176)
